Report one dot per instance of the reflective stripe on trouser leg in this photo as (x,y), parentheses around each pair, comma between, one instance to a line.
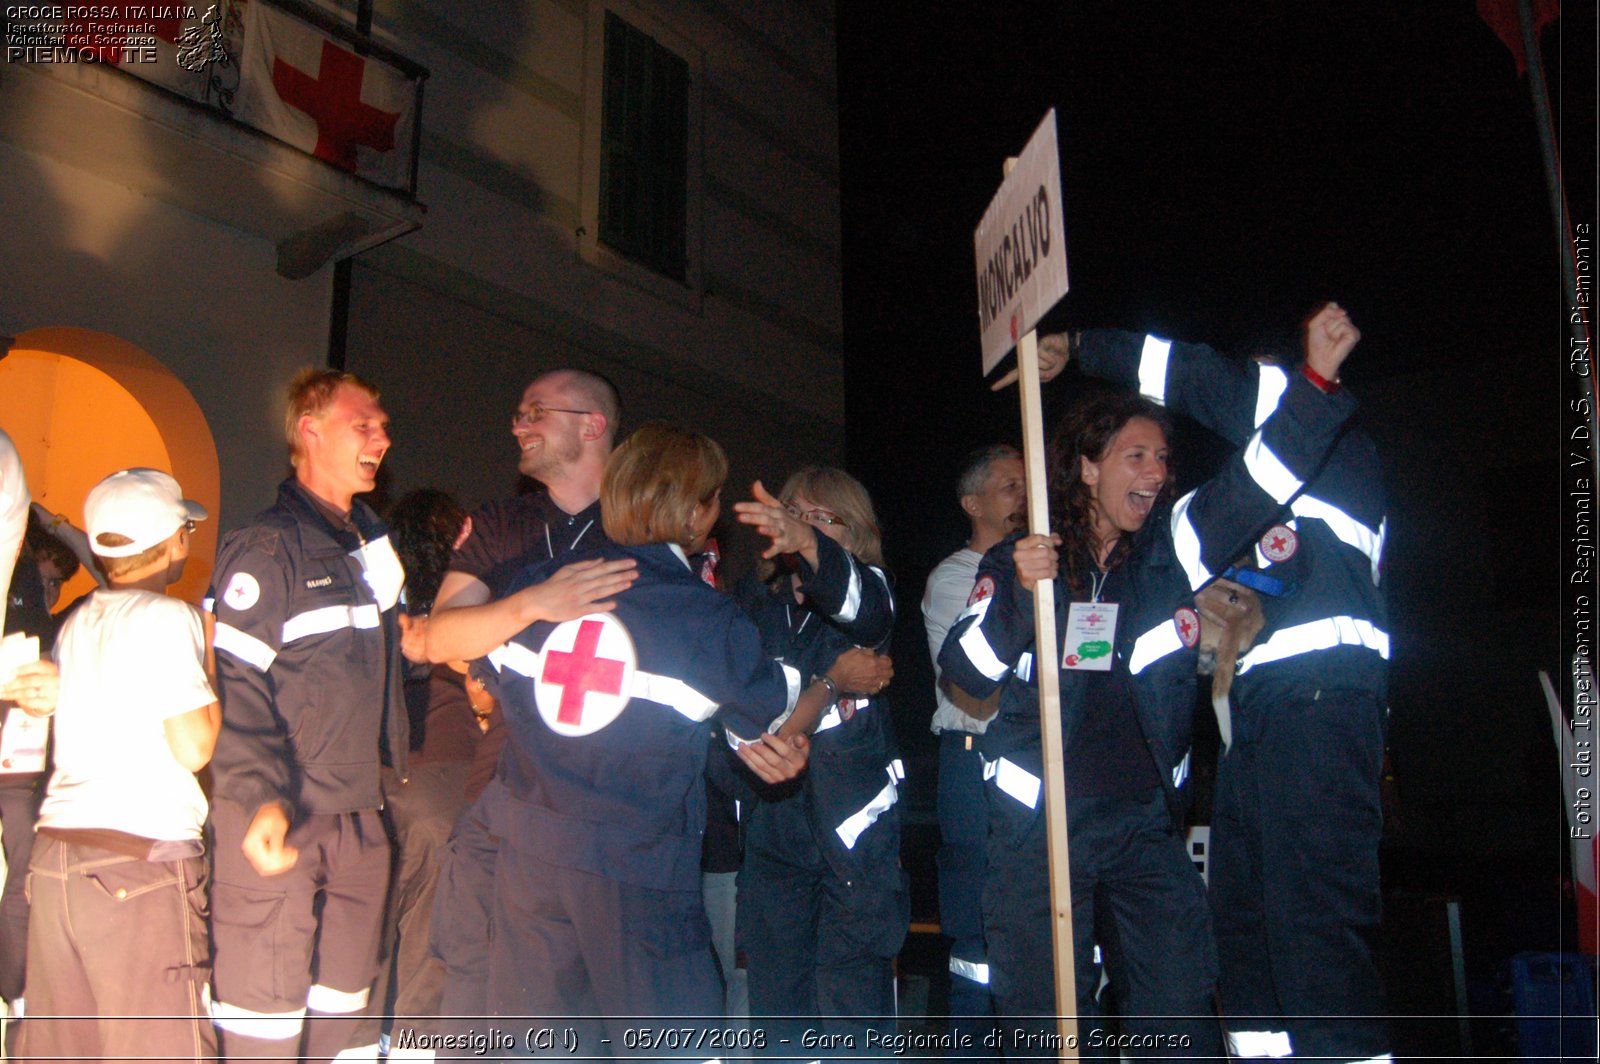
(1259,1044)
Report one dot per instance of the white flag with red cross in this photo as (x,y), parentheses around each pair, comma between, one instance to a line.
(308,89)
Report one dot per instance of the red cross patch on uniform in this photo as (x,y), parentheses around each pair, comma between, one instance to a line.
(585,675)
(1187,621)
(983,589)
(1279,544)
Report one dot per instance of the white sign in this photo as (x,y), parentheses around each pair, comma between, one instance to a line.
(1022,247)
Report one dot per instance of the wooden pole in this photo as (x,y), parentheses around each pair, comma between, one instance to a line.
(1046,670)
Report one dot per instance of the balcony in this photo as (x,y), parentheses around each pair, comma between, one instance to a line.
(257,116)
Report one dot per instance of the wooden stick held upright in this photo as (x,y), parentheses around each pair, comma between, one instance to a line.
(1047,672)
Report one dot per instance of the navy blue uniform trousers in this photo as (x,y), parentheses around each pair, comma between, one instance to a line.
(1137,895)
(1294,869)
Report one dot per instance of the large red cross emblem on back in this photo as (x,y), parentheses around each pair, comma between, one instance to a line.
(333,100)
(581,670)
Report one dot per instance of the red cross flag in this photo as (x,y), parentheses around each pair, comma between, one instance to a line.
(585,676)
(302,86)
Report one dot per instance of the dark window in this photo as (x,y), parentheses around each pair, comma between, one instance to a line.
(644,138)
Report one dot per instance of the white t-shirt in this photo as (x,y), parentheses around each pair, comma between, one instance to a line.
(13,515)
(129,661)
(949,587)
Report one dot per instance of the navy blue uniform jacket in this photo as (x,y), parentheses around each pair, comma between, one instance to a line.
(626,800)
(1331,629)
(851,784)
(309,671)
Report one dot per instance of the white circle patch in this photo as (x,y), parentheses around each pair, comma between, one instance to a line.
(586,671)
(1279,543)
(243,592)
(983,589)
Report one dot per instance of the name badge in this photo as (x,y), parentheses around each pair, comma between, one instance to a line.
(1091,635)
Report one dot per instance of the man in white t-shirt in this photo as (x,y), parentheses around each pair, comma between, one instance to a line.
(992,490)
(118,873)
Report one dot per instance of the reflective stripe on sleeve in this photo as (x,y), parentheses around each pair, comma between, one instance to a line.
(1153,369)
(1317,635)
(1180,771)
(1347,528)
(852,597)
(1271,383)
(1186,543)
(793,681)
(1259,1044)
(330,619)
(867,815)
(976,647)
(1154,645)
(1024,668)
(1268,471)
(273,1026)
(322,998)
(243,646)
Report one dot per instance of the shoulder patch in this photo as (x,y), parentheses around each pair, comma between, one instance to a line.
(242,592)
(1187,622)
(983,589)
(1279,543)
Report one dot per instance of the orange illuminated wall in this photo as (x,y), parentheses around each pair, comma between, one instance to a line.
(80,405)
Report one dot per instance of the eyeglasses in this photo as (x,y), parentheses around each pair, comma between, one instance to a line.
(535,414)
(188,524)
(817,517)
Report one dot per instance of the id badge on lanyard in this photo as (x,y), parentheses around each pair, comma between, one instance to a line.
(1091,633)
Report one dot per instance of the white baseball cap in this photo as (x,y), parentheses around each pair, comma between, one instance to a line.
(144,505)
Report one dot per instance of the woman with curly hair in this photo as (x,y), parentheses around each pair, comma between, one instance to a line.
(1131,561)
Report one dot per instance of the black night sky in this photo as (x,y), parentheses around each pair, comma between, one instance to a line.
(1225,166)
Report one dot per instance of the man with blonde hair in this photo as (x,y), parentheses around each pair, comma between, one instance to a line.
(308,666)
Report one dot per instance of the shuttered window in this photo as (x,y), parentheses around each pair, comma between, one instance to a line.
(644,150)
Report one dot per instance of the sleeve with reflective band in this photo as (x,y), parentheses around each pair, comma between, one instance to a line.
(1228,513)
(990,636)
(1230,397)
(855,596)
(250,593)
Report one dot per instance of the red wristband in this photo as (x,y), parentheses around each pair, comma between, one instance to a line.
(1324,385)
